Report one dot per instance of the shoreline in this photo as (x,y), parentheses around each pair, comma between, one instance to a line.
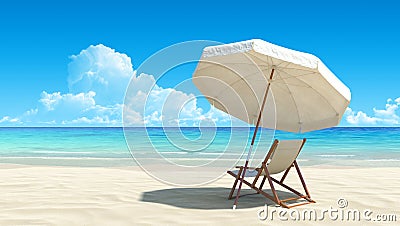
(128,162)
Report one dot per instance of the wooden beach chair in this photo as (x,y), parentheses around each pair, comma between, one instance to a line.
(280,158)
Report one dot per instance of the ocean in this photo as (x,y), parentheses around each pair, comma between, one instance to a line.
(342,146)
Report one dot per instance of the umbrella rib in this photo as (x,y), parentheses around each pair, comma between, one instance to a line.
(268,57)
(301,69)
(306,72)
(294,76)
(287,63)
(326,101)
(305,86)
(313,89)
(244,78)
(235,71)
(236,81)
(251,74)
(212,63)
(255,57)
(272,63)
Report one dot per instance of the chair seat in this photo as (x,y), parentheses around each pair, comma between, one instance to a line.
(249,172)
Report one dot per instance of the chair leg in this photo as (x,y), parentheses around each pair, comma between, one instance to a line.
(256,178)
(285,174)
(301,178)
(262,183)
(299,196)
(275,195)
(235,183)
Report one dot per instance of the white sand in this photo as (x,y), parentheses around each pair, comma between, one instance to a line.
(44,195)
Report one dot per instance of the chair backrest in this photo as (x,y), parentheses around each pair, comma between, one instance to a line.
(282,154)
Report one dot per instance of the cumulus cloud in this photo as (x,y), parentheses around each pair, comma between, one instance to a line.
(102,70)
(58,101)
(72,109)
(359,118)
(381,117)
(97,81)
(157,106)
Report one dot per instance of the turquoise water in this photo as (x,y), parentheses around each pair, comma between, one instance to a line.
(107,146)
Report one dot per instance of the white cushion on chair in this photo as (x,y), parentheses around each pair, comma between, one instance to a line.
(284,155)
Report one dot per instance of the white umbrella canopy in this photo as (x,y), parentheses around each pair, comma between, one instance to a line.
(304,95)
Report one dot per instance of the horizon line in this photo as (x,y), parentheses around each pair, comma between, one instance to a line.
(182,127)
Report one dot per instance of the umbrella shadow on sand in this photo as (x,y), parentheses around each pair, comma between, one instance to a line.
(208,198)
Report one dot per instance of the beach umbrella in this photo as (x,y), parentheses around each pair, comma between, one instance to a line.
(271,86)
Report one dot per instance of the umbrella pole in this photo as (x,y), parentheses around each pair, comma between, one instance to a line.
(252,141)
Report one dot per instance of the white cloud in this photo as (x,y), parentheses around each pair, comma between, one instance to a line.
(96,120)
(159,106)
(8,119)
(71,102)
(390,110)
(359,118)
(97,81)
(382,117)
(72,109)
(102,70)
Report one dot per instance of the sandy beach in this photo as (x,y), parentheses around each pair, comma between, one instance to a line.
(49,195)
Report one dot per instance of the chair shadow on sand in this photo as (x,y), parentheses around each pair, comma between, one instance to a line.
(208,198)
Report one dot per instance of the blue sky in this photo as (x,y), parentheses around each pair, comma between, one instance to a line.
(357,40)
